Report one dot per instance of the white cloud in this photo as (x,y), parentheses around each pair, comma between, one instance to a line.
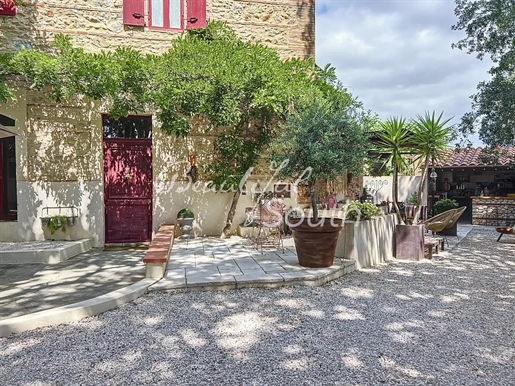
(396,56)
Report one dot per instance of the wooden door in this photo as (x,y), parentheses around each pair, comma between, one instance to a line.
(128,190)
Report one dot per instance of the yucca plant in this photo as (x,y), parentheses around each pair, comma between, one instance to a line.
(392,142)
(430,136)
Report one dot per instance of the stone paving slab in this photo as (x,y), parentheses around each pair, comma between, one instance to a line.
(214,264)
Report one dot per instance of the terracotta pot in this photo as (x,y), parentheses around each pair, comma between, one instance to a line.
(409,242)
(316,241)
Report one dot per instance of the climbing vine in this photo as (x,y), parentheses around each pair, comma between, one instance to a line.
(239,88)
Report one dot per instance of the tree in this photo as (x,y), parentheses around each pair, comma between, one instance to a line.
(392,142)
(325,135)
(430,136)
(490,29)
(241,88)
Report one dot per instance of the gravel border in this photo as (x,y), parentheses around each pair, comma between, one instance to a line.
(31,245)
(443,322)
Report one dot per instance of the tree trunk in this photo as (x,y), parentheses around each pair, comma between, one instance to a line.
(421,191)
(230,215)
(313,200)
(395,186)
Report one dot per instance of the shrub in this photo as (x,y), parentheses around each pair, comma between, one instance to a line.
(413,199)
(356,211)
(185,213)
(443,205)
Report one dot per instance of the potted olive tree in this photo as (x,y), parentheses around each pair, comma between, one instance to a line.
(323,136)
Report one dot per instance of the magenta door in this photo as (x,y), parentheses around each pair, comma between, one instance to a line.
(128,190)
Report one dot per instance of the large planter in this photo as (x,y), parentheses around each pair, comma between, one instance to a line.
(369,242)
(316,241)
(409,242)
(452,231)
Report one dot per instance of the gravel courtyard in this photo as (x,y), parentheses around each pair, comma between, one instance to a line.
(446,322)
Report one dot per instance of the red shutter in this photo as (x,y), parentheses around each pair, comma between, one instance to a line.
(7,8)
(196,14)
(1,181)
(133,12)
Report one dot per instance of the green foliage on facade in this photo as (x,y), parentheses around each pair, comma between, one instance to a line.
(238,91)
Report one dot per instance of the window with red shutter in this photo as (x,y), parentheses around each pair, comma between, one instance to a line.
(196,14)
(134,12)
(166,14)
(169,14)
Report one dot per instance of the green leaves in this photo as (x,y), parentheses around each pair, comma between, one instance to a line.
(431,135)
(321,136)
(490,29)
(392,141)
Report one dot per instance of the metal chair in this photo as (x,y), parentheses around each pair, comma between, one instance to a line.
(269,220)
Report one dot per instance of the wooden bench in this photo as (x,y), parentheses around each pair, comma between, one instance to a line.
(159,251)
(433,242)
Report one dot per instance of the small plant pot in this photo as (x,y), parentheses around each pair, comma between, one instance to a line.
(71,221)
(186,226)
(45,221)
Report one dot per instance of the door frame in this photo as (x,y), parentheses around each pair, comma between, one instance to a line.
(149,143)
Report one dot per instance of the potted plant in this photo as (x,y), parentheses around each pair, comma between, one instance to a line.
(429,137)
(322,136)
(360,211)
(55,223)
(8,7)
(185,218)
(445,205)
(368,236)
(391,141)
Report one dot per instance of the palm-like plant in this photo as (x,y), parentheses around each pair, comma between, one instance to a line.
(430,137)
(392,142)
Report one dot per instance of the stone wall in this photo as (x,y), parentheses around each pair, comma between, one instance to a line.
(493,211)
(285,25)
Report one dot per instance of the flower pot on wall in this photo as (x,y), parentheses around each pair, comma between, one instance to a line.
(316,241)
(186,226)
(409,242)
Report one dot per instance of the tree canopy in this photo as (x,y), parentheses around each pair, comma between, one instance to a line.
(490,29)
(326,134)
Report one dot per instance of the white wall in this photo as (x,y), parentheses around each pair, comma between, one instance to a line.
(88,197)
(33,197)
(381,187)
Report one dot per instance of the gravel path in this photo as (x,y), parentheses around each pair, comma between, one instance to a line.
(31,245)
(446,322)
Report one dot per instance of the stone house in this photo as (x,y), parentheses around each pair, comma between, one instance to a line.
(59,158)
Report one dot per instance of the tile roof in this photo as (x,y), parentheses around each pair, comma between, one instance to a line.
(471,157)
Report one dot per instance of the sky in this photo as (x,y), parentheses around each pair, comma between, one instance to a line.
(395,56)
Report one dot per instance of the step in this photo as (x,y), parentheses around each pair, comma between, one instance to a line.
(46,255)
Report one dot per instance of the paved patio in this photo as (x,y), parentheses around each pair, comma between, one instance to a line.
(211,263)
